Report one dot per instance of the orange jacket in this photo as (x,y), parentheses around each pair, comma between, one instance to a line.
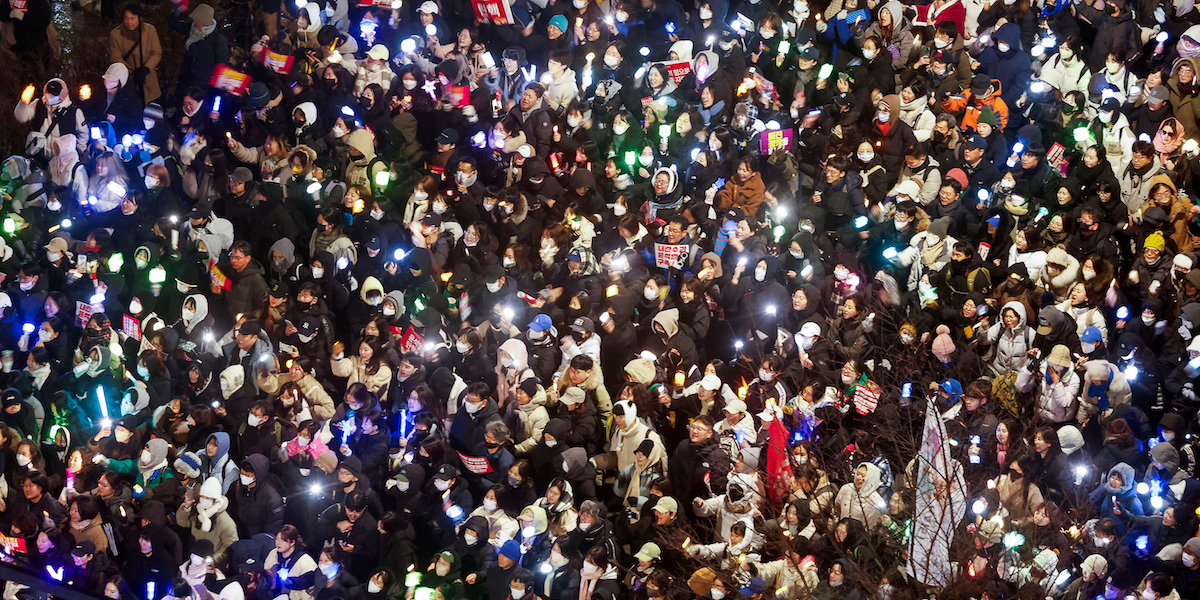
(968,106)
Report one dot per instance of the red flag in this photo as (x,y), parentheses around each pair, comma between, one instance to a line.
(779,473)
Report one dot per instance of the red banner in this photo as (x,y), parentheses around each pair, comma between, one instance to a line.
(678,70)
(83,314)
(227,78)
(495,12)
(132,327)
(412,341)
(475,464)
(280,63)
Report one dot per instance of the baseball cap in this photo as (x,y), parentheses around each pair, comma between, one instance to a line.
(994,221)
(84,548)
(242,175)
(279,289)
(1158,94)
(446,472)
(649,551)
(711,382)
(583,324)
(735,406)
(977,142)
(431,219)
(810,53)
(58,245)
(1090,335)
(429,8)
(666,504)
(540,323)
(447,136)
(572,396)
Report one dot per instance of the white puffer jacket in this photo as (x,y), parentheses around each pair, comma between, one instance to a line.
(1011,344)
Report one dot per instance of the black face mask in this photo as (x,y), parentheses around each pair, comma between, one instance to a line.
(577,336)
(938,137)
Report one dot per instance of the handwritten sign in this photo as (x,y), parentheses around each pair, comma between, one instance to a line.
(678,70)
(230,80)
(132,327)
(83,314)
(668,256)
(475,464)
(496,12)
(280,63)
(775,139)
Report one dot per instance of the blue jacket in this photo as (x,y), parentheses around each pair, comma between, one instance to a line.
(1012,68)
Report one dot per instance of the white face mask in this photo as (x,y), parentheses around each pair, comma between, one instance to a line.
(1100,542)
(318,272)
(373,588)
(246,479)
(645,160)
(1088,274)
(551,443)
(470,538)
(866,156)
(254,421)
(1002,47)
(197,560)
(619,210)
(848,379)
(766,35)
(582,526)
(611,61)
(1087,348)
(716,594)
(25,287)
(53,256)
(760,274)
(620,128)
(54,205)
(706,14)
(493,287)
(883,116)
(22,460)
(206,503)
(1147,320)
(574,121)
(1106,116)
(1189,561)
(489,505)
(765,375)
(506,362)
(150,181)
(557,559)
(940,43)
(388,311)
(410,84)
(338,131)
(462,347)
(868,54)
(588,567)
(900,225)
(441,484)
(650,293)
(1148,594)
(472,408)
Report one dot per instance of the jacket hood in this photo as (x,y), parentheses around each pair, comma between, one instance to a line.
(155,512)
(669,319)
(1127,478)
(287,249)
(1009,33)
(575,459)
(682,49)
(222,444)
(1167,456)
(714,65)
(313,11)
(715,260)
(371,284)
(309,110)
(557,428)
(415,475)
(201,310)
(16,166)
(538,515)
(261,466)
(1019,308)
(477,525)
(871,483)
(1182,61)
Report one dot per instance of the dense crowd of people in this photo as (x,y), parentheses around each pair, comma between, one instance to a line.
(578,300)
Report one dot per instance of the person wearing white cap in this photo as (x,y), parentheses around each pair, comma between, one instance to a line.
(374,69)
(737,424)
